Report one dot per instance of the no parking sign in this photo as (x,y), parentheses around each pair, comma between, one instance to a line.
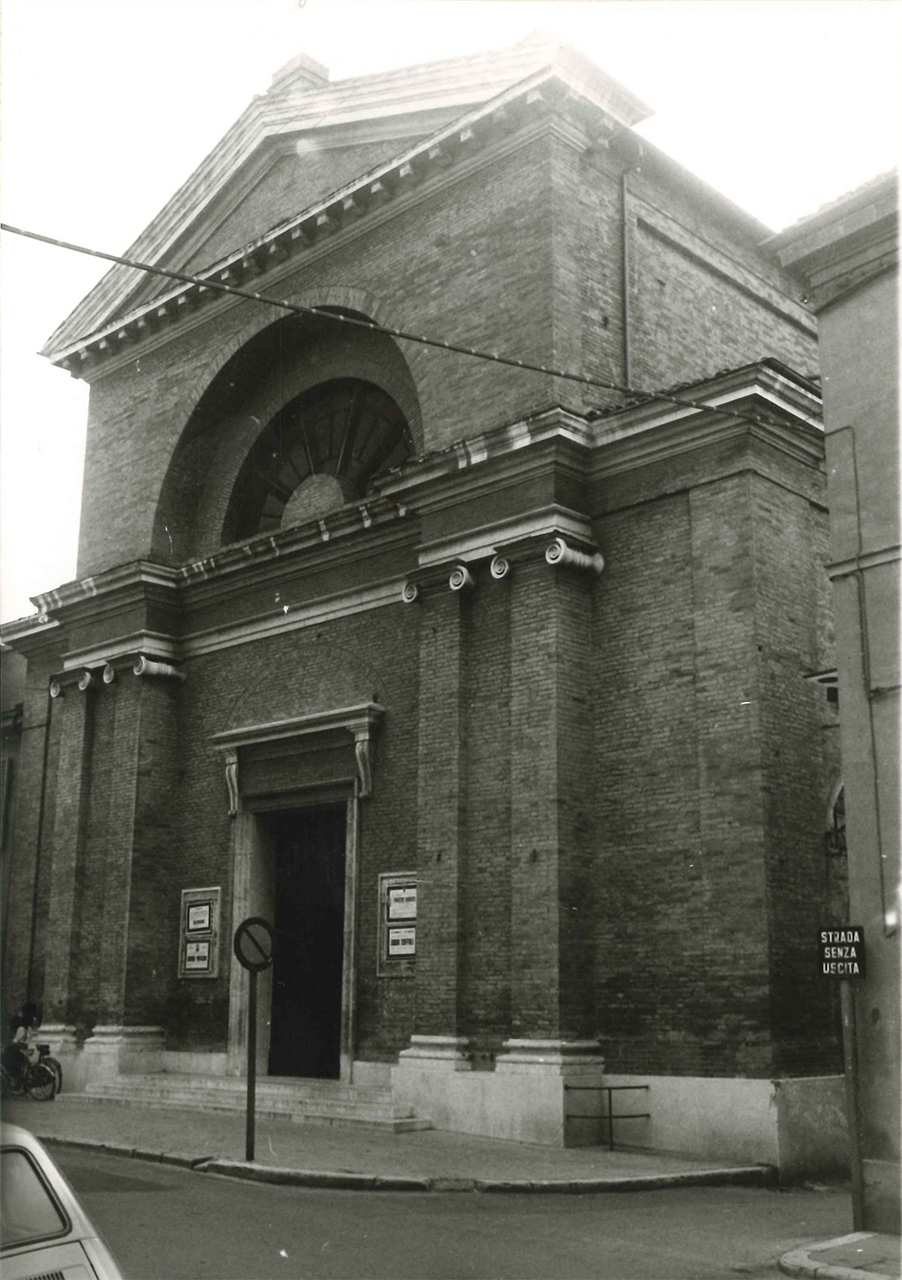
(253,945)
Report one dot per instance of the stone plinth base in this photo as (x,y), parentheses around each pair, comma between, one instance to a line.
(435,1053)
(195,1063)
(796,1124)
(120,1051)
(60,1037)
(525,1099)
(881,1196)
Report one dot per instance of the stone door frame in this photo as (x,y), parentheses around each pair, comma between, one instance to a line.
(250,864)
(247,854)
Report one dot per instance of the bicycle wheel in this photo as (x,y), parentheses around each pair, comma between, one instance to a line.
(41,1083)
(57,1070)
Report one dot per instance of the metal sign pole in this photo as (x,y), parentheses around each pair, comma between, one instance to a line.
(253,947)
(251,1068)
(850,1055)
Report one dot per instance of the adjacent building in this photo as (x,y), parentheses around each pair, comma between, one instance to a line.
(487,686)
(848,256)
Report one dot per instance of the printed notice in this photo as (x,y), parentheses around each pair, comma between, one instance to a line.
(402,902)
(197,956)
(199,917)
(842,952)
(402,942)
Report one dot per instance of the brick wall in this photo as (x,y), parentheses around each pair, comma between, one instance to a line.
(712,768)
(367,657)
(612,794)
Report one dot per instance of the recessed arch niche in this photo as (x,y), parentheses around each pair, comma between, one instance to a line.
(291,369)
(320,451)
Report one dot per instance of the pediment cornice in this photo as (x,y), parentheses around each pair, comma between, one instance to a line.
(97,331)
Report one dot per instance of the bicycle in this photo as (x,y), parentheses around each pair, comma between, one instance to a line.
(52,1063)
(37,1081)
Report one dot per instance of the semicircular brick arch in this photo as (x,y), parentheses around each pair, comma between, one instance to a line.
(253,379)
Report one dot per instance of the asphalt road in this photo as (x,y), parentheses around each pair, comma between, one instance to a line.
(164,1223)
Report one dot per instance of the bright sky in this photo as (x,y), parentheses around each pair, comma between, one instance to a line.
(108,105)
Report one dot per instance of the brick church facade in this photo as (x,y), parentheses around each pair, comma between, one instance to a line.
(488,688)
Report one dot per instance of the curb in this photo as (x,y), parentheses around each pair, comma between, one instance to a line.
(800,1263)
(121,1149)
(750,1176)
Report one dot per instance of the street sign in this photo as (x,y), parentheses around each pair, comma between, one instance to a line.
(842,952)
(254,944)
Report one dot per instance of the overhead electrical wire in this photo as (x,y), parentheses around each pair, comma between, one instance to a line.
(206,282)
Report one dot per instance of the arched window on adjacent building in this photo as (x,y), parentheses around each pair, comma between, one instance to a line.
(835,835)
(322,450)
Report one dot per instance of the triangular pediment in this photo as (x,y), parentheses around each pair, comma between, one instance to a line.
(308,141)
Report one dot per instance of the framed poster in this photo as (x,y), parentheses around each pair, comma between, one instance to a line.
(197,957)
(402,942)
(199,933)
(402,902)
(199,917)
(397,940)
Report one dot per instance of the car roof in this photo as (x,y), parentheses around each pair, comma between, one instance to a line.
(13,1135)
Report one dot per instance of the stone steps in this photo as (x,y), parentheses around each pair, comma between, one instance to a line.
(323,1102)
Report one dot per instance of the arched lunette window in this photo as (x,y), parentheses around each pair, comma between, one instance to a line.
(835,836)
(320,451)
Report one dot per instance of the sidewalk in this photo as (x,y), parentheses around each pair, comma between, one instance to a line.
(357,1158)
(864,1255)
(366,1159)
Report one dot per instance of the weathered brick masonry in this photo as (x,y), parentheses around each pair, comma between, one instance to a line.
(551,663)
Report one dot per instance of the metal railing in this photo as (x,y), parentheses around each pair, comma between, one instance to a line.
(610,1089)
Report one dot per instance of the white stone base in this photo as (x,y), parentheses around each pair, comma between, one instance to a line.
(795,1124)
(524,1099)
(121,1051)
(371,1075)
(194,1064)
(436,1053)
(67,1051)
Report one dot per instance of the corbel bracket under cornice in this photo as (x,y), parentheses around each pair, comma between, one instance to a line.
(360,721)
(94,674)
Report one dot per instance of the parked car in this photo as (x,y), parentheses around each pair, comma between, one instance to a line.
(44,1231)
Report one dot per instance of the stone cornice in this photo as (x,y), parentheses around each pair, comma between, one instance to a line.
(182,308)
(545,523)
(359,721)
(332,536)
(123,650)
(553,440)
(788,413)
(410,101)
(441,478)
(29,635)
(128,582)
(362,716)
(846,245)
(449,146)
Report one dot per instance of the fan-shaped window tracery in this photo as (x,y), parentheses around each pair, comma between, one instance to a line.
(320,451)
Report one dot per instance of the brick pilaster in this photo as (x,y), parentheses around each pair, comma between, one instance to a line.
(135,963)
(75,713)
(551,784)
(441,834)
(30,834)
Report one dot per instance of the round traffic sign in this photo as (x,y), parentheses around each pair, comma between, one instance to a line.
(254,943)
